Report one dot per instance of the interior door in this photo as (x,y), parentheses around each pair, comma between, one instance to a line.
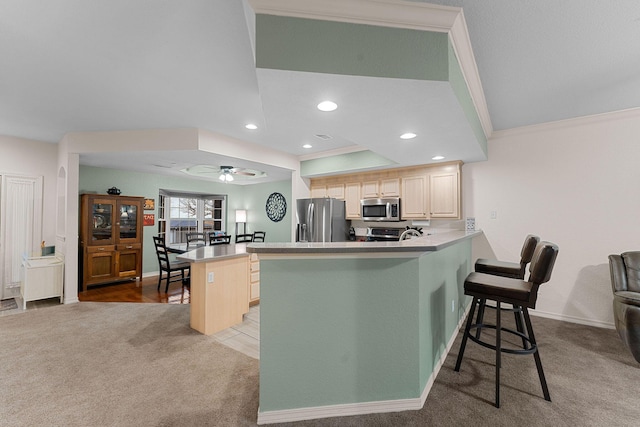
(21,225)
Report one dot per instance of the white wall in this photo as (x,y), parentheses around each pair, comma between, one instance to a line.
(33,158)
(575,183)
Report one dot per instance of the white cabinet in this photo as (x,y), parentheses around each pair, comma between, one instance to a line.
(42,278)
(444,189)
(352,200)
(414,197)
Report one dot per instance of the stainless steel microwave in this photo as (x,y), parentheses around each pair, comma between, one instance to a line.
(380,209)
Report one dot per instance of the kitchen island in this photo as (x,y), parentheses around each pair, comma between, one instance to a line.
(357,327)
(219,295)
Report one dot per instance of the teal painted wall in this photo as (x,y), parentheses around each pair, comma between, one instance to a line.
(460,89)
(338,331)
(349,162)
(255,199)
(98,180)
(317,46)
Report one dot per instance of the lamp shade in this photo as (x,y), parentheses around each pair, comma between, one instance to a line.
(241,215)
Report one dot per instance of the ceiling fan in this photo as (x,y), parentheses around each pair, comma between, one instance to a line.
(223,173)
(227,172)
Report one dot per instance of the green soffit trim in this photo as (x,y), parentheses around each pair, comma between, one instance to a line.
(310,45)
(350,162)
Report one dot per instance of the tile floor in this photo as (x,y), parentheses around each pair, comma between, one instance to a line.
(244,337)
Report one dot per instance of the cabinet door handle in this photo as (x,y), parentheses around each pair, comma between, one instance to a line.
(101,249)
(129,247)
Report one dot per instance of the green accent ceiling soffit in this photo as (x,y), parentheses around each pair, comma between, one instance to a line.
(459,86)
(358,161)
(310,45)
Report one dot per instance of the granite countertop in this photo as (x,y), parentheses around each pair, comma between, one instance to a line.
(433,242)
(214,253)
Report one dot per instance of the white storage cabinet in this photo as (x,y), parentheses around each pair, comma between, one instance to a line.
(42,278)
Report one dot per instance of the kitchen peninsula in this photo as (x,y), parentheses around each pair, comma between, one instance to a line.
(219,286)
(357,327)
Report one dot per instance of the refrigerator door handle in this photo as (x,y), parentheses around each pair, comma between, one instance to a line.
(310,220)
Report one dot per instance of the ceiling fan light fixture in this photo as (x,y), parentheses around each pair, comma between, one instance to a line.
(327,106)
(226,176)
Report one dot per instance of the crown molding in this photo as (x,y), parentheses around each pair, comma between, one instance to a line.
(396,14)
(631,113)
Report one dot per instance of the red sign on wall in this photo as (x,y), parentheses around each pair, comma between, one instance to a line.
(149,219)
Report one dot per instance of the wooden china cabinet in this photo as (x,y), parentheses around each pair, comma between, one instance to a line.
(110,238)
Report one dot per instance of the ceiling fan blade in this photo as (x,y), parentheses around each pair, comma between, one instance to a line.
(238,172)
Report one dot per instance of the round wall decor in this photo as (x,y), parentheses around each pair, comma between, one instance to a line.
(276,207)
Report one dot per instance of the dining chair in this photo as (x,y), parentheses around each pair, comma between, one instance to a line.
(258,236)
(218,239)
(169,266)
(195,239)
(244,238)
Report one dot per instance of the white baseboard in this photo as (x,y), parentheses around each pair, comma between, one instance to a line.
(349,409)
(573,319)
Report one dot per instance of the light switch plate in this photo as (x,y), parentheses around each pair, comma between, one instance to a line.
(210,277)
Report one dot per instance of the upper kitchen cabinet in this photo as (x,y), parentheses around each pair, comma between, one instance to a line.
(428,191)
(414,197)
(444,189)
(335,191)
(390,187)
(352,200)
(110,238)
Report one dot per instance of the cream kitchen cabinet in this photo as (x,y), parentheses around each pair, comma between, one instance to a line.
(444,191)
(335,191)
(414,197)
(318,191)
(390,187)
(254,279)
(370,190)
(352,200)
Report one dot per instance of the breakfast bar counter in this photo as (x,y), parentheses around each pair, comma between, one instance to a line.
(357,327)
(219,295)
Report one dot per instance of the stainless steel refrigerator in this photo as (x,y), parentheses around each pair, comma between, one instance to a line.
(321,220)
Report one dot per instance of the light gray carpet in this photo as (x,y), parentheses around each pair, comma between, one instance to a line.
(108,364)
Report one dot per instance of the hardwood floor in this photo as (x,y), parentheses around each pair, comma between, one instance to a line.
(143,291)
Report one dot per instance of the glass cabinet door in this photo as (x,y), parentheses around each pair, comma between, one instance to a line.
(128,221)
(102,226)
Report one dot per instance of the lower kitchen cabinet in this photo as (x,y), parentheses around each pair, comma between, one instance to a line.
(254,279)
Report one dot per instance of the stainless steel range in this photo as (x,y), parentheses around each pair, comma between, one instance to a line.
(375,234)
(387,234)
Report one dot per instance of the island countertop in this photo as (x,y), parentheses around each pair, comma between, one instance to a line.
(433,242)
(214,253)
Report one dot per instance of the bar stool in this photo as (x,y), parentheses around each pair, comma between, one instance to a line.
(513,270)
(521,294)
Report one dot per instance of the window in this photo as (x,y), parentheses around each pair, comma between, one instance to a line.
(182,213)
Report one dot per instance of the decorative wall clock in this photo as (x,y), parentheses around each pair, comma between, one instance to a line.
(276,207)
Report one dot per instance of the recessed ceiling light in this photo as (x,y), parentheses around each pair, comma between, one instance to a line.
(251,126)
(408,135)
(307,146)
(437,158)
(327,106)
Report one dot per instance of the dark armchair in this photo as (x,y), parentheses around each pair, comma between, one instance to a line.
(625,281)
